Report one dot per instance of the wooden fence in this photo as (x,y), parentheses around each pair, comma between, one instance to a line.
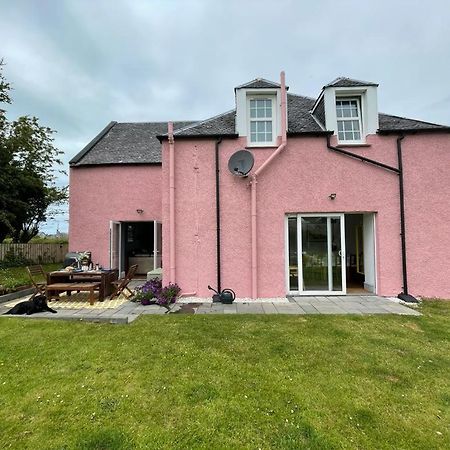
(38,253)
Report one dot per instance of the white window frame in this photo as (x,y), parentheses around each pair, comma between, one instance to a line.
(272,98)
(344,119)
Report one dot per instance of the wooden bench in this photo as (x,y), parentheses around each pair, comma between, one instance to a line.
(52,290)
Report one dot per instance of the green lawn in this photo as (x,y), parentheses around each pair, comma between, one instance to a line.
(228,382)
(13,277)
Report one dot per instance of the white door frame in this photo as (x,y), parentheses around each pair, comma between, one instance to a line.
(301,291)
(112,223)
(156,256)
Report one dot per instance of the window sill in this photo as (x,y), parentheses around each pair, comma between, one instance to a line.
(262,145)
(352,145)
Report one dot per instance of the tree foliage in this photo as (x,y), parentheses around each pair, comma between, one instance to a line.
(29,163)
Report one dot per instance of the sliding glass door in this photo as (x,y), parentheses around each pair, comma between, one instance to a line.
(316,247)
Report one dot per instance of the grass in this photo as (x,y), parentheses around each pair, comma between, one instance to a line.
(13,277)
(228,382)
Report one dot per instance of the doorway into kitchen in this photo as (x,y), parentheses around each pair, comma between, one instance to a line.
(136,243)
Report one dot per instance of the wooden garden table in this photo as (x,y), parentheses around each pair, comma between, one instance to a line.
(104,277)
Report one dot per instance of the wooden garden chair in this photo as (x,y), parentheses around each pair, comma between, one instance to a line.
(122,285)
(34,273)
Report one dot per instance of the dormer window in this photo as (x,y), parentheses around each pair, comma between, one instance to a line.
(349,109)
(261,120)
(348,116)
(258,107)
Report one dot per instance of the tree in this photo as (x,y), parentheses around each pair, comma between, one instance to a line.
(29,162)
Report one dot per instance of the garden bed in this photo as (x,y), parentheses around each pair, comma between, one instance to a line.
(16,279)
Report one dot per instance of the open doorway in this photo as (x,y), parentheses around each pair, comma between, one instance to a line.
(360,253)
(136,243)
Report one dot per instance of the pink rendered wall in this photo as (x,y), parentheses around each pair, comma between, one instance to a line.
(300,180)
(103,193)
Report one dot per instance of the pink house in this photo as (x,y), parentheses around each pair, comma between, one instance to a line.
(326,197)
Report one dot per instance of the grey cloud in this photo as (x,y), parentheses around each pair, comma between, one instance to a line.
(78,64)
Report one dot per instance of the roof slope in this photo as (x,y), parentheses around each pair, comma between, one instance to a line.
(259,83)
(221,125)
(137,143)
(300,120)
(125,143)
(349,82)
(396,123)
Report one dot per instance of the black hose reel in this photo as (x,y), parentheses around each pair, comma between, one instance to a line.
(227,296)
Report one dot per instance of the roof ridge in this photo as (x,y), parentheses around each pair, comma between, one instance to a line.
(302,96)
(156,121)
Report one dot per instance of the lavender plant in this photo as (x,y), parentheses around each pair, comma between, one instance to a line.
(168,294)
(148,292)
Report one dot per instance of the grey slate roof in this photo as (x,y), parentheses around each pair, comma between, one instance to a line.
(259,83)
(138,143)
(348,82)
(223,125)
(299,121)
(396,123)
(125,143)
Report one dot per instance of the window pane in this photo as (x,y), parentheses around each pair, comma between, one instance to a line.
(253,127)
(346,111)
(340,125)
(349,136)
(341,135)
(252,137)
(269,127)
(357,135)
(355,125)
(269,137)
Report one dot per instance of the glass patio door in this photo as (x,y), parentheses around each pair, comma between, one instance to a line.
(316,249)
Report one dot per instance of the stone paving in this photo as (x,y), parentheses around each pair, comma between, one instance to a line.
(130,311)
(351,304)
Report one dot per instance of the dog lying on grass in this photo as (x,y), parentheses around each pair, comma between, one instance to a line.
(35,304)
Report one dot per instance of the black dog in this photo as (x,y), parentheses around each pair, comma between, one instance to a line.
(36,304)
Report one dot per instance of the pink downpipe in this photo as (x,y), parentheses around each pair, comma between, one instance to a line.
(254,181)
(172,264)
(254,246)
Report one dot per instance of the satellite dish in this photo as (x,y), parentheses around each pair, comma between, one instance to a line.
(240,163)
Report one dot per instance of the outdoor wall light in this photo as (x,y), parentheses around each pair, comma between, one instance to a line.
(139,211)
(332,196)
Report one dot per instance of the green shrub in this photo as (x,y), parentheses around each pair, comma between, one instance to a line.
(13,259)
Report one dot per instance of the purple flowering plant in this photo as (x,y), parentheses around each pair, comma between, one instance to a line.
(152,292)
(168,294)
(148,292)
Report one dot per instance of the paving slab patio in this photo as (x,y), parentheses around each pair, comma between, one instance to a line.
(130,311)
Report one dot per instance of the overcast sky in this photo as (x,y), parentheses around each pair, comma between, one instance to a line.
(78,64)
